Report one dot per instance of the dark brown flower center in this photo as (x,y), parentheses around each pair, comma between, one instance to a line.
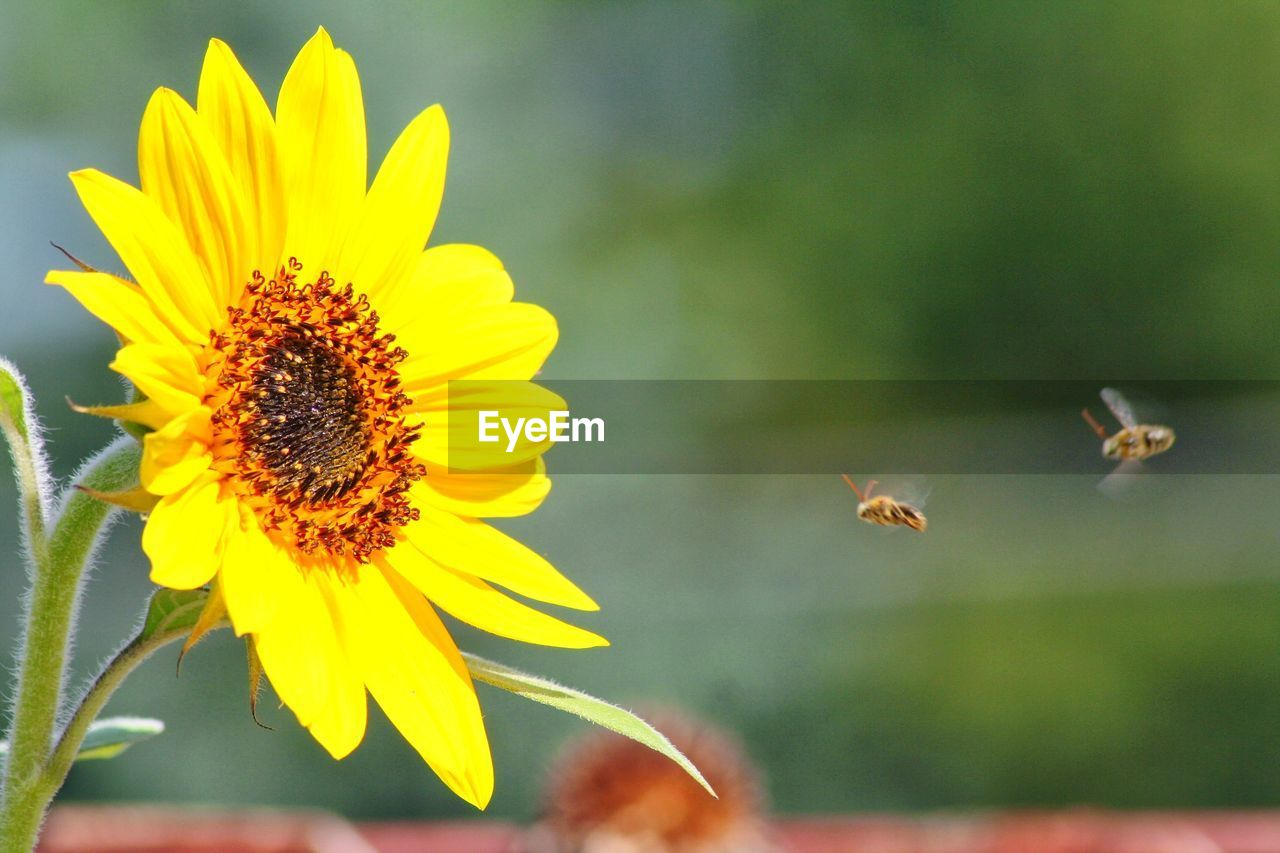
(309,421)
(310,430)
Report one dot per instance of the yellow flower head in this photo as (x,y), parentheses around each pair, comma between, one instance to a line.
(293,341)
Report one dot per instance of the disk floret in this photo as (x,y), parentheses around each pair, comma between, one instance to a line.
(309,420)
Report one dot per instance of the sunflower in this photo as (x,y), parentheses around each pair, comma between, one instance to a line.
(291,342)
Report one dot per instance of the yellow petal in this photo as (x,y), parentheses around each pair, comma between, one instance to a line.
(174,456)
(120,304)
(183,535)
(183,169)
(155,252)
(288,647)
(400,209)
(499,342)
(320,123)
(452,279)
(449,424)
(416,675)
(309,671)
(501,493)
(240,121)
(340,724)
(459,275)
(166,375)
(473,547)
(257,576)
(476,603)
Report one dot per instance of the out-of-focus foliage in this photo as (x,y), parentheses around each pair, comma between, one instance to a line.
(790,191)
(993,705)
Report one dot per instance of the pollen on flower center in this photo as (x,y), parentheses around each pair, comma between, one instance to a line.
(309,431)
(309,422)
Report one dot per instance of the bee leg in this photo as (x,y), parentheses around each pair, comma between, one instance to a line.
(853,486)
(1094,425)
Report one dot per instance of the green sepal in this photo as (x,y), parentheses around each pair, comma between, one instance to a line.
(138,431)
(587,707)
(137,418)
(13,400)
(81,264)
(255,679)
(136,499)
(213,614)
(172,611)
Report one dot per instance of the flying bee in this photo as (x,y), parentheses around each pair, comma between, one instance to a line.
(1132,444)
(884,510)
(1135,441)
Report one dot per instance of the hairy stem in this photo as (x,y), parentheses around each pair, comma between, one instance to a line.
(30,468)
(106,683)
(47,623)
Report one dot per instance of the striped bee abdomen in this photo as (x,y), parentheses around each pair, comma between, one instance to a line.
(890,513)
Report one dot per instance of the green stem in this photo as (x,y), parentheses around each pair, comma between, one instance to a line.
(107,682)
(27,472)
(29,466)
(47,623)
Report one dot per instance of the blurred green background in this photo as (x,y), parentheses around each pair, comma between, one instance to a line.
(785,191)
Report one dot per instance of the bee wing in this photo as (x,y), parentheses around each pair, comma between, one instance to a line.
(918,496)
(1119,407)
(911,489)
(1121,481)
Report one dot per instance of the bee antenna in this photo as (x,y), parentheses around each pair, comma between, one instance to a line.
(870,486)
(854,486)
(1097,427)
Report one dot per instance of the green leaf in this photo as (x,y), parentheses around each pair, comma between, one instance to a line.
(13,399)
(587,707)
(109,737)
(172,611)
(112,736)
